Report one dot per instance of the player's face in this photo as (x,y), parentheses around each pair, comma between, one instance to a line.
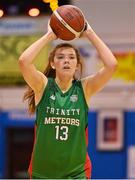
(65,61)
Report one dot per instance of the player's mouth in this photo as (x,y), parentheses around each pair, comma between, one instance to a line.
(66,68)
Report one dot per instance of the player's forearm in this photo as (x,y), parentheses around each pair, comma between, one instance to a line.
(32,51)
(104,52)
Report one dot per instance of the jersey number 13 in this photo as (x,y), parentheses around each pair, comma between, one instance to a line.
(61,133)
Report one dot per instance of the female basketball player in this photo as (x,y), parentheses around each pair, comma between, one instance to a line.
(61,101)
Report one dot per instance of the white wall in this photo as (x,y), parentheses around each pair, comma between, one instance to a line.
(114,20)
(12,98)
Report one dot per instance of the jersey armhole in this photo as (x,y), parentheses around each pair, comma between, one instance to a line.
(45,87)
(84,95)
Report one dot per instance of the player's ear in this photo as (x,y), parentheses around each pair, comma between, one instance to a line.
(77,72)
(77,66)
(52,65)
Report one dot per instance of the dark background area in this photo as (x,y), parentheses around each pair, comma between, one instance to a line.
(20,7)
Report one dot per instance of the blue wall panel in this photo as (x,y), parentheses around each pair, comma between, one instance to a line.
(130,128)
(129,132)
(106,164)
(7,121)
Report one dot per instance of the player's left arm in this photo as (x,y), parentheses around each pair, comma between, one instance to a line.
(96,82)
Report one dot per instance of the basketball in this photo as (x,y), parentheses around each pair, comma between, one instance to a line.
(67,22)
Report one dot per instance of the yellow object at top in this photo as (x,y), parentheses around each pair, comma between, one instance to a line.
(53,4)
(47,1)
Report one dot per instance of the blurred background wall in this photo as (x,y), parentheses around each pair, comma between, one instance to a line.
(112,113)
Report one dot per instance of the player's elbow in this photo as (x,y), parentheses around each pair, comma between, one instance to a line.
(22,61)
(114,65)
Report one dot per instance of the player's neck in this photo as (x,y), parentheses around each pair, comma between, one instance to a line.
(64,84)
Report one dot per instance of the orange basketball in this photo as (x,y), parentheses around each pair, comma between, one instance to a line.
(67,22)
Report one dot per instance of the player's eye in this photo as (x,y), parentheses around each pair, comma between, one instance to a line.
(72,57)
(60,57)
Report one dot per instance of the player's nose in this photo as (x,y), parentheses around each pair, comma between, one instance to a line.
(66,59)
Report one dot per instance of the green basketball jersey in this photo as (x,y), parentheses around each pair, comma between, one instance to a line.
(60,147)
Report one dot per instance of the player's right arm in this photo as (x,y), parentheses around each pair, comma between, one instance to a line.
(35,79)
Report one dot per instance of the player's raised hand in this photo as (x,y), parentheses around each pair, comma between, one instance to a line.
(50,31)
(87,28)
